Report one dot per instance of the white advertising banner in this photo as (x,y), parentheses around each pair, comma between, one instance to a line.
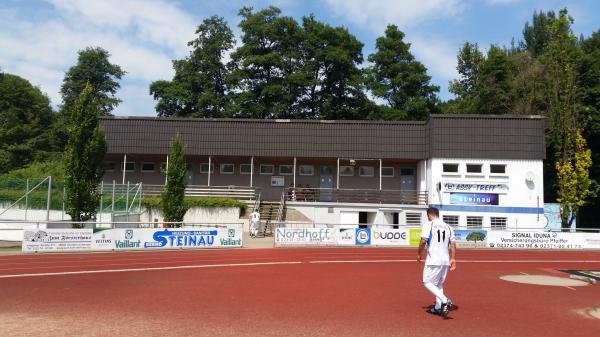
(543,240)
(347,236)
(56,240)
(306,236)
(167,238)
(386,236)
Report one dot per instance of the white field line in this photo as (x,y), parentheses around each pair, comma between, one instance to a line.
(276,263)
(148,269)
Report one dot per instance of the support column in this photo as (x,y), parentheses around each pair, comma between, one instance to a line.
(209,168)
(380,169)
(251,171)
(124,166)
(294,172)
(167,170)
(337,183)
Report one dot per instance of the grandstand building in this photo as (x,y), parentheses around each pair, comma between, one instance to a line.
(481,171)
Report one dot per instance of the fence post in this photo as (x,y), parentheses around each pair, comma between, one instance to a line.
(62,216)
(48,201)
(101,199)
(26,198)
(127,201)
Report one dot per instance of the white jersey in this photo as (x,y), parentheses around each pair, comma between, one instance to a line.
(255,217)
(438,235)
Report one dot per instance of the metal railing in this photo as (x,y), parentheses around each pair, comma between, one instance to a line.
(405,197)
(236,192)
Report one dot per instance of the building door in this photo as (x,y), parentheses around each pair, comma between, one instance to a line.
(326,183)
(408,179)
(190,175)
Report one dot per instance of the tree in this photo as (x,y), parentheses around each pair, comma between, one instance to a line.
(93,68)
(263,67)
(333,82)
(25,121)
(589,94)
(476,236)
(198,88)
(537,35)
(469,61)
(573,180)
(172,197)
(493,83)
(84,157)
(400,80)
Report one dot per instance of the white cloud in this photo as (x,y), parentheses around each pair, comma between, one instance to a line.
(436,54)
(142,37)
(377,14)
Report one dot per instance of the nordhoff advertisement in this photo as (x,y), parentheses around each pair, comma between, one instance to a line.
(306,236)
(56,240)
(167,238)
(543,240)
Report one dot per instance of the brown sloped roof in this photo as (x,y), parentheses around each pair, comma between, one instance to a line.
(445,136)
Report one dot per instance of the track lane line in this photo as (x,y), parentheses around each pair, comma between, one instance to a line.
(149,269)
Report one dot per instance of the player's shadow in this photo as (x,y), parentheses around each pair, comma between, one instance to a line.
(429,307)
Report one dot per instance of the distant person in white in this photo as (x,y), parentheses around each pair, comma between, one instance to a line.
(441,253)
(254,223)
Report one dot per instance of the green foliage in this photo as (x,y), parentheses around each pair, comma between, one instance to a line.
(189,202)
(173,194)
(25,120)
(573,180)
(333,87)
(476,236)
(84,157)
(93,68)
(469,62)
(400,80)
(536,34)
(264,65)
(39,170)
(198,88)
(493,83)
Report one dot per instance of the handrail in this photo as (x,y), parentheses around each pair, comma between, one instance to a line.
(281,205)
(410,197)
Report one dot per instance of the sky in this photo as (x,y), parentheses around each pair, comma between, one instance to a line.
(39,39)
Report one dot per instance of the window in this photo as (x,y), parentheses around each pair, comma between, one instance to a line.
(387,172)
(498,223)
(129,166)
(497,169)
(474,222)
(451,220)
(474,168)
(450,168)
(286,170)
(413,219)
(245,168)
(204,168)
(347,171)
(148,167)
(306,170)
(366,171)
(266,169)
(226,168)
(407,172)
(110,166)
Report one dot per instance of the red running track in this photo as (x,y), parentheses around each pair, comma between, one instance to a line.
(312,292)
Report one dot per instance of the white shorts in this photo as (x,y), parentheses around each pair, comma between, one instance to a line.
(435,274)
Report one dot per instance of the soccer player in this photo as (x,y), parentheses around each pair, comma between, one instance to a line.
(441,252)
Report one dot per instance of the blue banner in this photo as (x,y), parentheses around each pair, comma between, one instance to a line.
(473,199)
